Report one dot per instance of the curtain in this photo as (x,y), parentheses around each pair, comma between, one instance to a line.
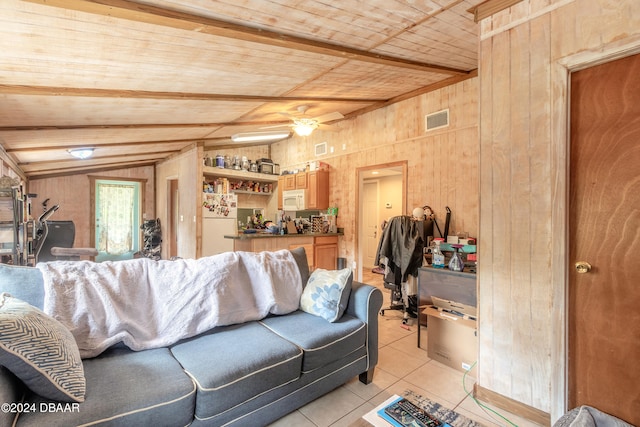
(116,218)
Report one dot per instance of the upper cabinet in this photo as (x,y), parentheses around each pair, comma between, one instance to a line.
(317,189)
(296,181)
(316,183)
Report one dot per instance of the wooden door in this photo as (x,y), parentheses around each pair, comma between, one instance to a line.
(604,304)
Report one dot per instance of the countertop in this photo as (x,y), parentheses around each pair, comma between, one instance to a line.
(264,235)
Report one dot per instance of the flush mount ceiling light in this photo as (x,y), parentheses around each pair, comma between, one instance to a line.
(81,153)
(260,136)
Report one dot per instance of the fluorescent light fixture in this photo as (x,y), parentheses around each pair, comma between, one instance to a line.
(260,136)
(81,153)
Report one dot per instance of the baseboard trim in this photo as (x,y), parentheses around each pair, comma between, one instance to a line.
(513,406)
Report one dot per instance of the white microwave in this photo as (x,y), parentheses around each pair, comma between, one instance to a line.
(293,200)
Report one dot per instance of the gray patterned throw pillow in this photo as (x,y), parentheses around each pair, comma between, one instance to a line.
(40,351)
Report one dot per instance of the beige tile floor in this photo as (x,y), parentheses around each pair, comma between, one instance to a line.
(401,366)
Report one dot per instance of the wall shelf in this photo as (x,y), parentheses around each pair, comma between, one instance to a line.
(238,174)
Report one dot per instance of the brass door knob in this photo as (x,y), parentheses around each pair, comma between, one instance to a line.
(583,267)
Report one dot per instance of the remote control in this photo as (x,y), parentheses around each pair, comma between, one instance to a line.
(408,414)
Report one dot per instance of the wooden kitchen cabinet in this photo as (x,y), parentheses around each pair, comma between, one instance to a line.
(316,183)
(289,182)
(301,181)
(325,252)
(321,251)
(318,190)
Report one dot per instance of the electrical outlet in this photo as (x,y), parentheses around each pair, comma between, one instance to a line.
(466,366)
(354,265)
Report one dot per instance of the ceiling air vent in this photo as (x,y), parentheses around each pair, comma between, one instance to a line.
(437,120)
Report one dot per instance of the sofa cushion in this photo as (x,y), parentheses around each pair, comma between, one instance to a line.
(40,351)
(327,293)
(321,341)
(24,283)
(234,364)
(127,388)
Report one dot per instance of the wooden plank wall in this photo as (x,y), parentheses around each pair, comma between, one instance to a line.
(187,169)
(72,193)
(525,54)
(443,164)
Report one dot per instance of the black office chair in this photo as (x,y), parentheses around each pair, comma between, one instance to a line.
(400,300)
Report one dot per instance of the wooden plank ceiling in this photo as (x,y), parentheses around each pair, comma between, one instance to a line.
(139,81)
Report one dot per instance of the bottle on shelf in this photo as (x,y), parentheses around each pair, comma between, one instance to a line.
(456,263)
(436,254)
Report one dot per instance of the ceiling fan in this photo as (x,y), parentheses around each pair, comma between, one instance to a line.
(303,126)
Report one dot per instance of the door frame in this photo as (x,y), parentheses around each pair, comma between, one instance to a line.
(560,73)
(362,232)
(173,209)
(92,201)
(360,172)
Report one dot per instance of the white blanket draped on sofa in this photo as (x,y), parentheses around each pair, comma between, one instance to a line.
(149,304)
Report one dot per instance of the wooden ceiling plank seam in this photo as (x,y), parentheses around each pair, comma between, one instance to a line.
(439,85)
(266,10)
(124,9)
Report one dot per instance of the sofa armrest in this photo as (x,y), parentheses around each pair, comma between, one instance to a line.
(12,390)
(365,302)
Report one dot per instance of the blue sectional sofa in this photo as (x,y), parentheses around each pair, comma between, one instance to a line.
(247,374)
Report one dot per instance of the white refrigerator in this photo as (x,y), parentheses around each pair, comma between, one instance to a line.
(219,218)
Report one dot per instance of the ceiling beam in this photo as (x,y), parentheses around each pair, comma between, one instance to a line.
(490,7)
(99,168)
(98,159)
(107,145)
(140,126)
(181,96)
(123,9)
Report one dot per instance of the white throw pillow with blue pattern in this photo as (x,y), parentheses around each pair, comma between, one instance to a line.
(327,293)
(40,351)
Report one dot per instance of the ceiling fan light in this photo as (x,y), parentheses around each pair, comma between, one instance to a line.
(81,153)
(303,129)
(260,136)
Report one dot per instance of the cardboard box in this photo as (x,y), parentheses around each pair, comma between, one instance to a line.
(452,340)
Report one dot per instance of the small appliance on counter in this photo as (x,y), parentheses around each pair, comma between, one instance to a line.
(266,166)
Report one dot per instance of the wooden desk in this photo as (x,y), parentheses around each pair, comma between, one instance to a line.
(443,283)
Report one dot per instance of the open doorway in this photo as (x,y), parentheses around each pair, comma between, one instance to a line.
(381,194)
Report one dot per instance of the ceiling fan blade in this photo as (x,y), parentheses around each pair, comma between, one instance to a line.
(329,117)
